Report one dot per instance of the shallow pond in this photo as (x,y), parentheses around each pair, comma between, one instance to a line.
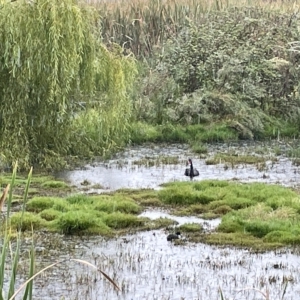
(124,172)
(144,264)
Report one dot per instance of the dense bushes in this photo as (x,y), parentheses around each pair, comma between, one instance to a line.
(236,65)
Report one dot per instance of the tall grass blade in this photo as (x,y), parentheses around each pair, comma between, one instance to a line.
(13,275)
(284,290)
(26,194)
(29,286)
(3,197)
(104,274)
(13,178)
(221,294)
(2,266)
(32,277)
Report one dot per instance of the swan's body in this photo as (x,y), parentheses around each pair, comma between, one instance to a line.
(191,171)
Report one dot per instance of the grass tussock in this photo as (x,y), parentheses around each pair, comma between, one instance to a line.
(83,214)
(250,213)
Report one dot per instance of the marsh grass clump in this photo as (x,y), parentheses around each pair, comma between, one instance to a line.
(254,210)
(26,221)
(50,214)
(199,148)
(162,223)
(191,227)
(184,194)
(115,203)
(78,213)
(55,184)
(191,210)
(76,222)
(37,204)
(235,159)
(119,220)
(157,161)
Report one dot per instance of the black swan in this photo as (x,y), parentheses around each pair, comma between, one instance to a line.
(191,171)
(173,236)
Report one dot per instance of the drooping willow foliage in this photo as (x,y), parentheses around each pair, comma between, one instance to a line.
(51,60)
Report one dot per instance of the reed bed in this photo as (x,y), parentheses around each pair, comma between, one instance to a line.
(142,26)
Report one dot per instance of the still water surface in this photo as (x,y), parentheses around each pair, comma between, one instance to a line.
(145,265)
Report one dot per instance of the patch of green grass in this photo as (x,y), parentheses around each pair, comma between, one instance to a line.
(50,214)
(55,184)
(80,199)
(199,148)
(119,220)
(157,161)
(74,222)
(191,227)
(26,221)
(177,133)
(254,209)
(235,159)
(162,223)
(37,204)
(191,210)
(184,194)
(115,203)
(240,239)
(217,133)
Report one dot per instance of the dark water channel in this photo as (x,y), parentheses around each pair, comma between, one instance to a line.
(145,265)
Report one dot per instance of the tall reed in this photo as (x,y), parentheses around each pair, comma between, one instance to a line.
(142,26)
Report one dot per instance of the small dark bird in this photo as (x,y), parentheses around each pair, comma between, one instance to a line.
(173,236)
(191,171)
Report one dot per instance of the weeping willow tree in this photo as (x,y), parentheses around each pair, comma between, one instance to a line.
(50,59)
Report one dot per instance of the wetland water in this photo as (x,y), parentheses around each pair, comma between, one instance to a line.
(145,265)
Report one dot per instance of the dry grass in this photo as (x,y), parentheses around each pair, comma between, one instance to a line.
(3,197)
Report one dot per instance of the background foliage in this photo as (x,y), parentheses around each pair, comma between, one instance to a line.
(52,63)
